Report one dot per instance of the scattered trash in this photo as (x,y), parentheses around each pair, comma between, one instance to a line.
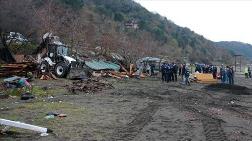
(3,96)
(26,96)
(52,113)
(62,115)
(50,117)
(4,108)
(50,97)
(44,134)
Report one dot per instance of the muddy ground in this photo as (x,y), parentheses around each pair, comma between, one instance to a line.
(138,110)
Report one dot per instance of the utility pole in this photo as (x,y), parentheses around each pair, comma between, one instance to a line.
(237,55)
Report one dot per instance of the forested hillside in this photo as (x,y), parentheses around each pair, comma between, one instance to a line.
(237,48)
(121,26)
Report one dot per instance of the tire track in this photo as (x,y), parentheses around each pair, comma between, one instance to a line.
(212,126)
(136,125)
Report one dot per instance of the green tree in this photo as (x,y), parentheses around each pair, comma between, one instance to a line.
(76,4)
(119,17)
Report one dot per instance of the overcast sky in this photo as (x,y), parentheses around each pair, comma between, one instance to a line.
(217,20)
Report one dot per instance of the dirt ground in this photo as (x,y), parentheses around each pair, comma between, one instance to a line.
(138,110)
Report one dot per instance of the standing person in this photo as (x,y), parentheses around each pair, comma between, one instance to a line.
(187,75)
(180,69)
(163,72)
(249,72)
(204,68)
(223,74)
(175,71)
(214,72)
(226,74)
(171,72)
(152,69)
(198,68)
(148,69)
(231,79)
(229,75)
(140,70)
(246,72)
(167,77)
(183,71)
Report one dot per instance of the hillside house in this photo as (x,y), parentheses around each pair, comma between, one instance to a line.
(131,24)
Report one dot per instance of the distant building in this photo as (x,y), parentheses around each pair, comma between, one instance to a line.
(131,24)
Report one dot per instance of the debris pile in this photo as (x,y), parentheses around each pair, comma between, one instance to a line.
(17,69)
(89,86)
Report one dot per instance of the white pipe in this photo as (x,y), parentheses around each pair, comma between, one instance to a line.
(23,126)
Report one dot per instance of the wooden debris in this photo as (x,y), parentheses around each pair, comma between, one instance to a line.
(124,69)
(48,76)
(131,69)
(17,69)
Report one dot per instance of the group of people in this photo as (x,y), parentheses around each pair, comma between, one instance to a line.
(227,74)
(204,68)
(170,72)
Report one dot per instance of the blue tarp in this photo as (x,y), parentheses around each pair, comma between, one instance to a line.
(102,65)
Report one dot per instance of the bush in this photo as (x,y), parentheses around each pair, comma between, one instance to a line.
(27,48)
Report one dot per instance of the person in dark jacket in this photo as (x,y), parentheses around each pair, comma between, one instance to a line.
(183,71)
(223,74)
(187,74)
(171,72)
(249,72)
(167,75)
(163,72)
(180,69)
(152,69)
(175,71)
(214,72)
(230,75)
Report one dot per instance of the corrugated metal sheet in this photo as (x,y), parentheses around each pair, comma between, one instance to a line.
(102,65)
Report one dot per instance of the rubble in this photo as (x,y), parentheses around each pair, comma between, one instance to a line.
(89,86)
